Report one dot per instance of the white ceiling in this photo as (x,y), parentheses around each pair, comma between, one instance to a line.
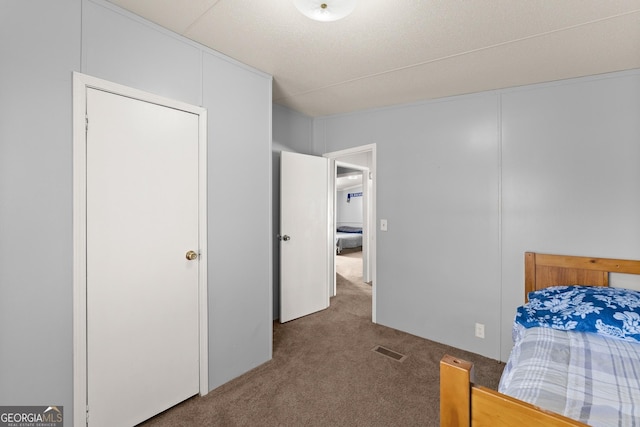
(348,180)
(392,52)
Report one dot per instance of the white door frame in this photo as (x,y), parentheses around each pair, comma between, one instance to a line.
(82,82)
(336,156)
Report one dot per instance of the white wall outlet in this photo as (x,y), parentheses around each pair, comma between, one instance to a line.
(479,330)
(383,225)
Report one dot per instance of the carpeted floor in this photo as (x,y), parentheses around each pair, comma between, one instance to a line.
(324,372)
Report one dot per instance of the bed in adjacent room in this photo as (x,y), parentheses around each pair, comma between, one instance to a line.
(348,237)
(576,354)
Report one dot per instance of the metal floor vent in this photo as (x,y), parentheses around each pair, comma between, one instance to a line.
(389,353)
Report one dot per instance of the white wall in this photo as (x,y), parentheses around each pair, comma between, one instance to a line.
(469,183)
(41,44)
(349,213)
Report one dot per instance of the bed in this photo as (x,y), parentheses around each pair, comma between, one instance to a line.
(561,374)
(348,237)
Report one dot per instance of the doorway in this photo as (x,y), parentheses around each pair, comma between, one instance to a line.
(362,159)
(349,219)
(140,279)
(350,212)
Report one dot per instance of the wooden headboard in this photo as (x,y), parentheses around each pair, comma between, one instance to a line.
(544,270)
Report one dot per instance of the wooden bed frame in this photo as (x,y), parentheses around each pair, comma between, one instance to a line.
(463,403)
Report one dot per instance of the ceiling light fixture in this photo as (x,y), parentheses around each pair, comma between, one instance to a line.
(327,10)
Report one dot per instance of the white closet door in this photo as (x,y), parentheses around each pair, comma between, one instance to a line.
(142,291)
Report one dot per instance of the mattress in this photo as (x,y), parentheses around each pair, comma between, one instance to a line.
(585,376)
(347,241)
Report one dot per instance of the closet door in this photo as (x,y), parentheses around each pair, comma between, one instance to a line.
(142,279)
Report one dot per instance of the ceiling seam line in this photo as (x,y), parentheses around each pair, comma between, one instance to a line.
(455,55)
(195,21)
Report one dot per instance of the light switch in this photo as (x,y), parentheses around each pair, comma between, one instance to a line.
(383,225)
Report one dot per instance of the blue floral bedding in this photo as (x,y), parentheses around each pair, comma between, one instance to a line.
(613,312)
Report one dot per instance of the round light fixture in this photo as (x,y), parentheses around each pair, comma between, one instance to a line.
(327,10)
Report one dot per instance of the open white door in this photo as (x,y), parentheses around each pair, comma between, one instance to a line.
(305,235)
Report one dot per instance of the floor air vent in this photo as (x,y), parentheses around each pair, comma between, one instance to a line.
(389,353)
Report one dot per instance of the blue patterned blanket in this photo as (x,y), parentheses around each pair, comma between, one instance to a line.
(612,312)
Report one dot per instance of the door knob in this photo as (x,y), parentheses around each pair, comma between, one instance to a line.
(285,238)
(191,255)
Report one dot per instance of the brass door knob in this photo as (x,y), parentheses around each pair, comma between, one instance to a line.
(191,255)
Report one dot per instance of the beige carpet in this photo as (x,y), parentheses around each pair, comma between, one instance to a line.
(324,373)
(349,265)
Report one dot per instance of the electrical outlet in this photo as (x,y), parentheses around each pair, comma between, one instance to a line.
(479,330)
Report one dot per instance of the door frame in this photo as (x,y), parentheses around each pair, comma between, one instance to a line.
(336,156)
(82,82)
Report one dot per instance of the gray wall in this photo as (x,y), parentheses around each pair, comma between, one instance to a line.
(42,42)
(39,47)
(292,131)
(469,183)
